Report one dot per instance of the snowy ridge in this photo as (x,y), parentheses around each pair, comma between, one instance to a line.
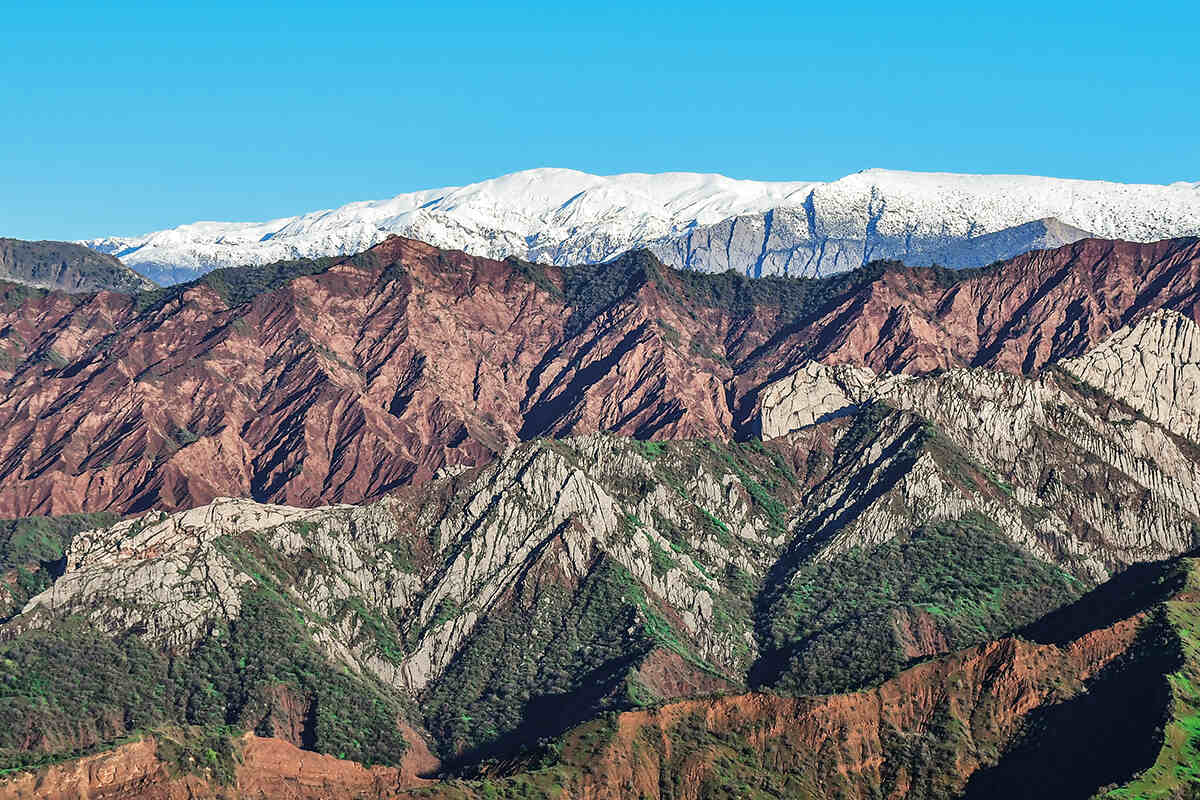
(706,222)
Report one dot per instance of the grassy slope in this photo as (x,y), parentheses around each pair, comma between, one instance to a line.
(835,629)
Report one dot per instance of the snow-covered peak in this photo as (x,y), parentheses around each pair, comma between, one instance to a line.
(701,221)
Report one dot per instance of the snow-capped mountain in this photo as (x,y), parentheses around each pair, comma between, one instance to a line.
(704,222)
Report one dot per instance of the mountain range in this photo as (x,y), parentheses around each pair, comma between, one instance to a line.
(708,223)
(418,523)
(338,380)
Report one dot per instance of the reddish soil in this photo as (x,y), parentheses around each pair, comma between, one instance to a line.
(270,768)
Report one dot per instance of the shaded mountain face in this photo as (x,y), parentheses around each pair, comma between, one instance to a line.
(67,267)
(988,248)
(339,380)
(708,223)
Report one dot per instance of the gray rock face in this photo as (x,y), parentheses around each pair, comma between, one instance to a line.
(557,506)
(1083,481)
(1154,368)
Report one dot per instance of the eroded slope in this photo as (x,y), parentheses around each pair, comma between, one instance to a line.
(339,380)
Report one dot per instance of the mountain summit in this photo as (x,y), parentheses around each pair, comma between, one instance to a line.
(709,223)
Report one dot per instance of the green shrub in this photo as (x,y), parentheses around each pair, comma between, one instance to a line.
(834,627)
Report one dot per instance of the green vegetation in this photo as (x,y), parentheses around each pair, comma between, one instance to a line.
(1085,733)
(15,295)
(211,753)
(238,285)
(732,767)
(69,689)
(536,273)
(558,654)
(733,456)
(649,449)
(232,678)
(844,623)
(55,359)
(592,289)
(74,689)
(661,560)
(28,540)
(797,298)
(552,660)
(184,437)
(654,625)
(30,547)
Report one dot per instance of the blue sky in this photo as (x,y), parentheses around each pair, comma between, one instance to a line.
(119,118)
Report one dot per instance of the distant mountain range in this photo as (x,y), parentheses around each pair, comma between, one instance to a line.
(66,266)
(704,222)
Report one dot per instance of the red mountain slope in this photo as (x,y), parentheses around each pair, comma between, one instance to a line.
(384,367)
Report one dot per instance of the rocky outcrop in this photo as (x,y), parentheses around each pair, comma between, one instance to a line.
(1018,316)
(1039,441)
(339,386)
(663,564)
(1153,368)
(567,577)
(1074,716)
(811,395)
(169,576)
(646,566)
(845,745)
(1094,697)
(625,570)
(67,267)
(130,771)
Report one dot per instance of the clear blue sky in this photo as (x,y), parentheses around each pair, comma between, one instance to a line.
(123,119)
